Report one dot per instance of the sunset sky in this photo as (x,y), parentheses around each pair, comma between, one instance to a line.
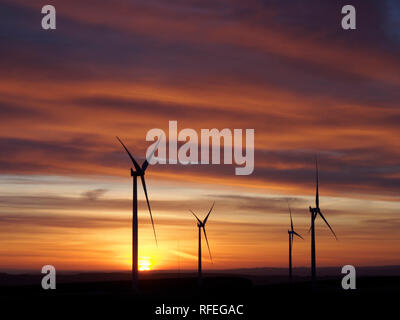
(284,68)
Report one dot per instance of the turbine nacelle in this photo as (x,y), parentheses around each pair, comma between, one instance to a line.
(135,173)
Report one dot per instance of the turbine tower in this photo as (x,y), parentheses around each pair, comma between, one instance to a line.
(138,172)
(314,213)
(291,233)
(202,225)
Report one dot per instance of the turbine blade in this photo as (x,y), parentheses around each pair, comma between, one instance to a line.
(205,220)
(291,220)
(294,232)
(323,218)
(148,206)
(209,251)
(146,162)
(137,167)
(196,216)
(314,216)
(317,187)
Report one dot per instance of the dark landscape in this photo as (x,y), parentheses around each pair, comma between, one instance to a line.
(259,292)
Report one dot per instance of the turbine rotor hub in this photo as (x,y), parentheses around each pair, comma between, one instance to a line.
(135,173)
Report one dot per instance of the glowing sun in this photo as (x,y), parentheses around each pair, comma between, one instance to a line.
(144,264)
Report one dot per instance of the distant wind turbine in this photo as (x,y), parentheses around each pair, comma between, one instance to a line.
(138,172)
(202,225)
(291,233)
(314,213)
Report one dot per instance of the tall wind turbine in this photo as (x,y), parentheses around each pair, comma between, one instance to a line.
(202,225)
(138,172)
(314,213)
(291,233)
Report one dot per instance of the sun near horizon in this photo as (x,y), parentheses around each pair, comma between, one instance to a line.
(145,264)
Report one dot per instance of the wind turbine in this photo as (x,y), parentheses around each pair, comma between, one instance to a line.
(291,233)
(202,225)
(314,213)
(138,172)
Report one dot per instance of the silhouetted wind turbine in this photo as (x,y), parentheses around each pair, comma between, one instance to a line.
(314,213)
(138,172)
(291,233)
(202,225)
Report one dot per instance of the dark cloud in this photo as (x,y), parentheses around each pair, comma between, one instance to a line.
(362,170)
(94,194)
(13,111)
(60,220)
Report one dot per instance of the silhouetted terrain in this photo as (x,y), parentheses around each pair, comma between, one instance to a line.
(256,275)
(110,294)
